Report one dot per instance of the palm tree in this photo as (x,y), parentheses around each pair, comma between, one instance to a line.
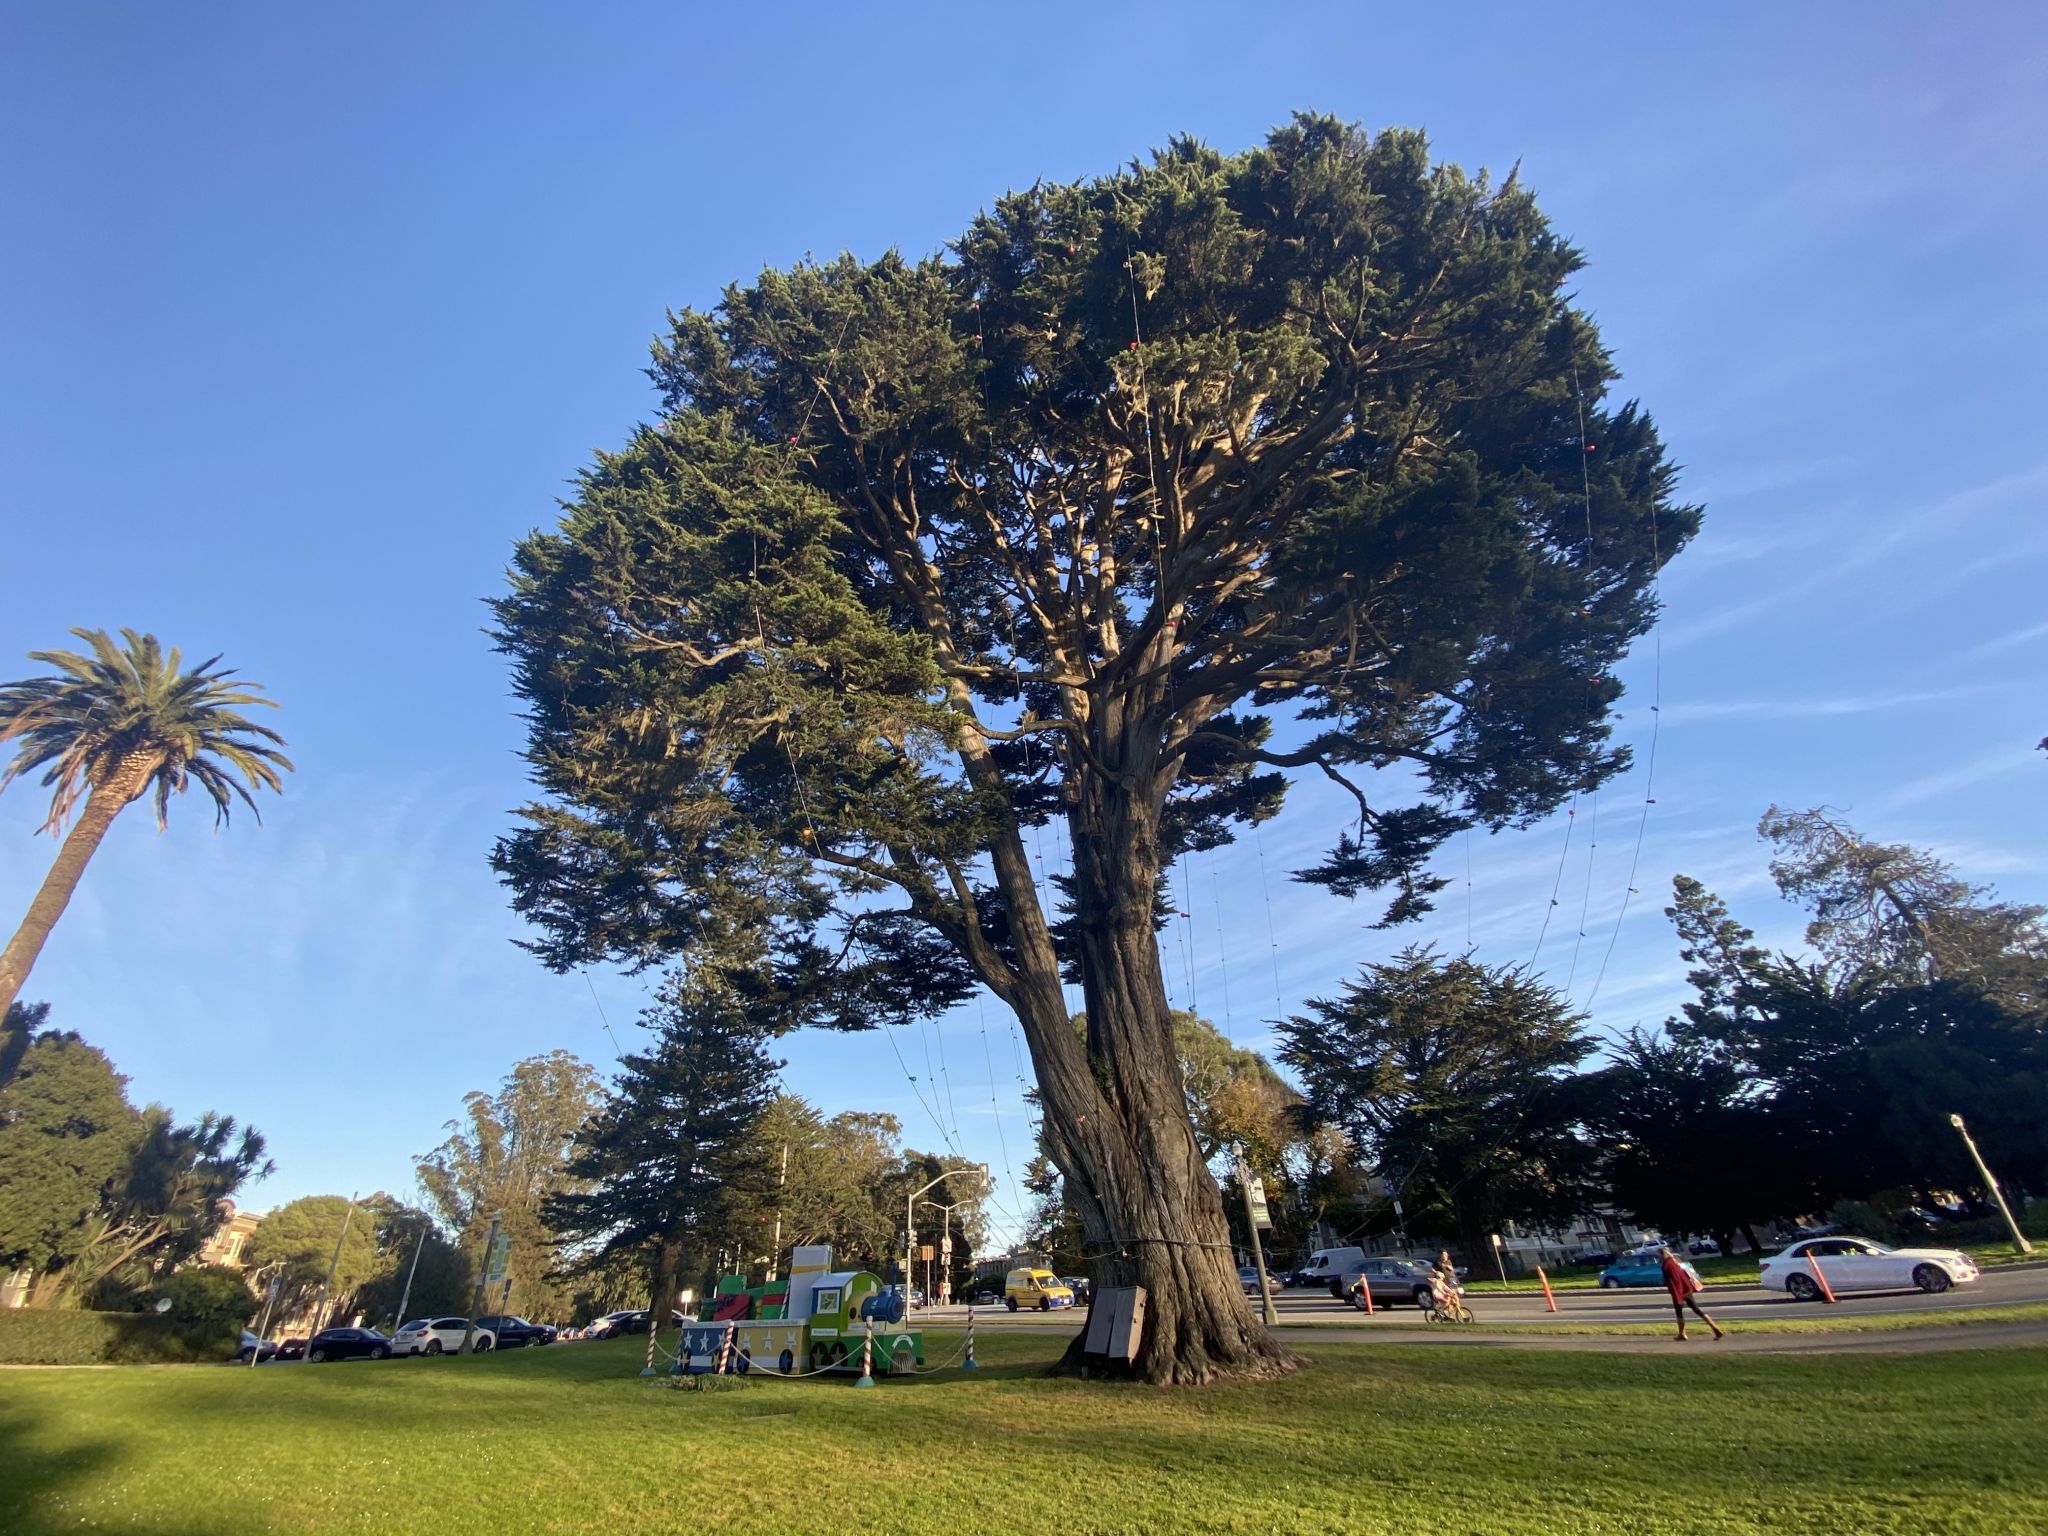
(107,727)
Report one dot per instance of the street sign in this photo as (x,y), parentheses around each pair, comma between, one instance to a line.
(1260,1216)
(924,1251)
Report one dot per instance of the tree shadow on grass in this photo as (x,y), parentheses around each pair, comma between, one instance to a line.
(35,1479)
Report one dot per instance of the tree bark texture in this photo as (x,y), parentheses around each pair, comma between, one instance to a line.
(102,805)
(1116,1118)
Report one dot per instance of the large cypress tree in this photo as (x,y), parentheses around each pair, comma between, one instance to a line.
(1150,490)
(668,1159)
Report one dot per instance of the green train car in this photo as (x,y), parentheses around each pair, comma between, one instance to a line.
(816,1320)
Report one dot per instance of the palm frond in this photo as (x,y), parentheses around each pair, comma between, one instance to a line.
(115,710)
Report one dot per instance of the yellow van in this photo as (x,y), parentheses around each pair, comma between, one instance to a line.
(1038,1288)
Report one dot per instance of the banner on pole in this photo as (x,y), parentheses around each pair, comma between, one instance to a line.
(498,1261)
(1261,1217)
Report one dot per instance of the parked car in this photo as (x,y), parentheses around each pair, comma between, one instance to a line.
(347,1344)
(1328,1267)
(1859,1264)
(291,1349)
(439,1336)
(516,1332)
(1644,1269)
(254,1348)
(988,1296)
(1392,1281)
(1598,1260)
(1703,1248)
(1248,1277)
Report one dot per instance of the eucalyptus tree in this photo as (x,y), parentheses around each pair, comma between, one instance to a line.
(1150,491)
(106,729)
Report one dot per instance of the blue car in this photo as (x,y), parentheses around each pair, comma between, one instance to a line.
(1638,1270)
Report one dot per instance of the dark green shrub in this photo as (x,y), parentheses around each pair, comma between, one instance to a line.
(208,1302)
(44,1336)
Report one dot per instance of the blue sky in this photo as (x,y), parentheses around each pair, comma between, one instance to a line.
(310,312)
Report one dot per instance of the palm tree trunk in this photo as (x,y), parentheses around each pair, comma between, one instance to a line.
(101,807)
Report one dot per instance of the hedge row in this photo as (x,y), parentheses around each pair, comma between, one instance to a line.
(40,1336)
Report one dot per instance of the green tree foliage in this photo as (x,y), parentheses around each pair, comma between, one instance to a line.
(300,1237)
(107,728)
(208,1302)
(512,1158)
(18,1026)
(1054,1228)
(1453,1078)
(167,1202)
(659,1169)
(1686,1144)
(835,1189)
(444,1281)
(1076,522)
(67,1133)
(1236,1100)
(1898,911)
(1929,996)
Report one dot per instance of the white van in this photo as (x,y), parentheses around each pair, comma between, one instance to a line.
(1332,1267)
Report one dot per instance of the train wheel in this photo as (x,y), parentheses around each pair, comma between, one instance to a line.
(788,1361)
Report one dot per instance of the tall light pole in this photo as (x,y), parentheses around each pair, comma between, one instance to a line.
(910,1217)
(483,1275)
(320,1306)
(2019,1238)
(269,1300)
(405,1297)
(1251,1223)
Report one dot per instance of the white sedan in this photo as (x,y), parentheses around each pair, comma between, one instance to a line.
(1859,1264)
(438,1336)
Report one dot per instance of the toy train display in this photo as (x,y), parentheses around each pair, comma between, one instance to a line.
(816,1320)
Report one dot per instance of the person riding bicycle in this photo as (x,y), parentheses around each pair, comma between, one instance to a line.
(1447,1297)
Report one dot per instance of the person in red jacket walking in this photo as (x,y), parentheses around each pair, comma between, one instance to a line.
(1684,1289)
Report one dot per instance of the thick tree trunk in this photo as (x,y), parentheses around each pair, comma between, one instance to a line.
(1153,1213)
(102,805)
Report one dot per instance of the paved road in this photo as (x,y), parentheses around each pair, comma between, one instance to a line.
(1314,1309)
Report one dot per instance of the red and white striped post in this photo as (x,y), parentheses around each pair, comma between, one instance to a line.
(651,1327)
(970,1365)
(1549,1300)
(867,1357)
(725,1350)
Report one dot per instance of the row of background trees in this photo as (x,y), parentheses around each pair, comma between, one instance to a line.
(1788,1086)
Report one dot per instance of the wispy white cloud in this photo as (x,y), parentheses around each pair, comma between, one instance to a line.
(1865,541)
(2007,758)
(1696,711)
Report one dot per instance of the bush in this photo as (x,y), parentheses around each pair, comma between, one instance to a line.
(42,1336)
(208,1301)
(1861,1219)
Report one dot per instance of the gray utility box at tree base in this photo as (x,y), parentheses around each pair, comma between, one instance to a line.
(1116,1320)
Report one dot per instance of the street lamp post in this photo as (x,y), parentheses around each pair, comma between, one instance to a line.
(910,1218)
(2019,1238)
(320,1306)
(405,1297)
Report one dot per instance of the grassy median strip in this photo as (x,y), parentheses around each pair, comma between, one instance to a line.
(570,1439)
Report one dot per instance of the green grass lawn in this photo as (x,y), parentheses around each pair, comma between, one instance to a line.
(1397,1439)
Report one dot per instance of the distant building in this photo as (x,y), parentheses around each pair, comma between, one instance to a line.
(229,1244)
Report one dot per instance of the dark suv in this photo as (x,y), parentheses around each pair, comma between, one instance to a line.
(517,1332)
